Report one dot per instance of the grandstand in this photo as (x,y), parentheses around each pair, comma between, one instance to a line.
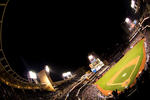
(124,75)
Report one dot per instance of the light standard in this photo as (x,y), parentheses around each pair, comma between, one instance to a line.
(128,20)
(64,75)
(91,58)
(67,75)
(47,69)
(134,5)
(32,75)
(130,23)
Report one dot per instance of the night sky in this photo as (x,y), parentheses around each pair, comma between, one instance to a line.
(60,34)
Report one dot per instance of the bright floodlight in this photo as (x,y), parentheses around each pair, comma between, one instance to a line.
(47,69)
(64,74)
(132,4)
(90,57)
(127,20)
(32,75)
(68,73)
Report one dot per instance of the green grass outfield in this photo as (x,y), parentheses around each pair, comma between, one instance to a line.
(126,73)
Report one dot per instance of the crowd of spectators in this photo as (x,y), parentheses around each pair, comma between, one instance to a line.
(7,93)
(147,35)
(10,93)
(91,93)
(64,88)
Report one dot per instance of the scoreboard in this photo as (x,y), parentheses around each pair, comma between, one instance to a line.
(96,64)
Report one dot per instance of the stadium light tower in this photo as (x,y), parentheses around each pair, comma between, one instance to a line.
(67,75)
(90,57)
(32,75)
(133,4)
(130,24)
(64,74)
(127,20)
(47,69)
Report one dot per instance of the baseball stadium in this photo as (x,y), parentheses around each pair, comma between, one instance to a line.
(124,73)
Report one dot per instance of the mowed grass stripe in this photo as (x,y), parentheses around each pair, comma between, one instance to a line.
(136,51)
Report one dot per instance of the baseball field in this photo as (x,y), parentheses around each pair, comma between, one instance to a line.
(123,74)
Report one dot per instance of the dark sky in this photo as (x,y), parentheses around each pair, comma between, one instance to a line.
(60,34)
